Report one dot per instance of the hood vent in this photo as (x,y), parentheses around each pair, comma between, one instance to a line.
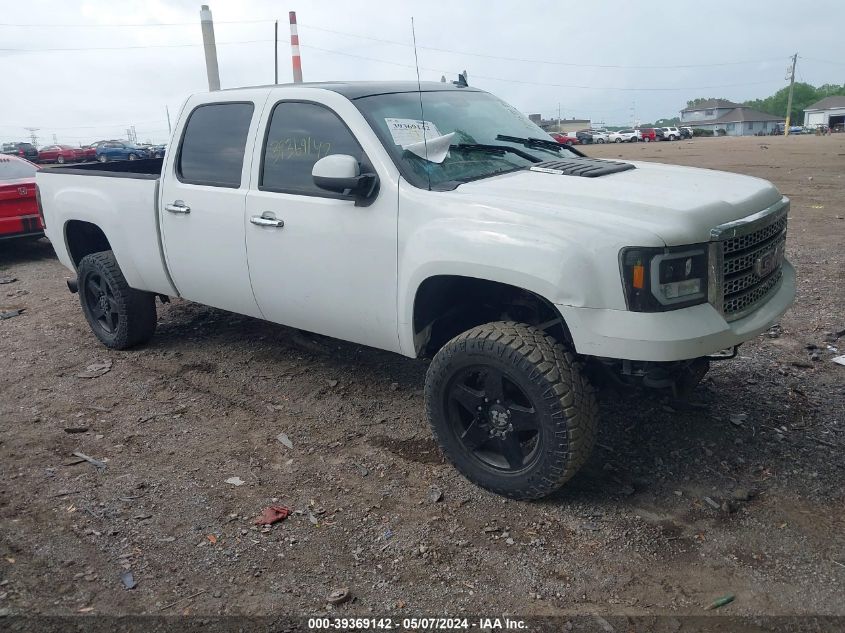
(584,167)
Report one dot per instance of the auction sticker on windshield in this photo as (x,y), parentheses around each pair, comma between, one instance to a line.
(409,131)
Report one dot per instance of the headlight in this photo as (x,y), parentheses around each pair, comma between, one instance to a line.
(659,279)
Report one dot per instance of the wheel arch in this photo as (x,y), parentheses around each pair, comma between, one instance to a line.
(84,238)
(445,305)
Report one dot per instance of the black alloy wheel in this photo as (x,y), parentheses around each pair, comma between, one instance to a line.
(493,418)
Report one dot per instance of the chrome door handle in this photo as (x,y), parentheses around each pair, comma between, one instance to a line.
(260,220)
(177,207)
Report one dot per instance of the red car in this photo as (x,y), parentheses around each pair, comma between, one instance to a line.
(19,214)
(60,154)
(565,139)
(648,134)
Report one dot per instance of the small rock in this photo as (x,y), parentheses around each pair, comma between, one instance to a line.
(95,370)
(284,439)
(235,481)
(128,580)
(339,596)
(332,383)
(510,541)
(712,503)
(738,419)
(394,386)
(435,495)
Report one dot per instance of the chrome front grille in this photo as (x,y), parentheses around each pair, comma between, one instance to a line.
(746,261)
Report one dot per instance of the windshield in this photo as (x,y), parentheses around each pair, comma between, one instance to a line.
(478,120)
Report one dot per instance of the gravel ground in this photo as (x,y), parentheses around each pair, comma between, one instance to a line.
(736,491)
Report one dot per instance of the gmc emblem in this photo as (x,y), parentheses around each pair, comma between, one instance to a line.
(23,191)
(768,261)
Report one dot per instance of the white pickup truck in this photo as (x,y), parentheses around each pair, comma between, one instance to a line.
(434,221)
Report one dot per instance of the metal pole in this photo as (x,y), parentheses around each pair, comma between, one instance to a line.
(294,49)
(210,48)
(789,99)
(276,53)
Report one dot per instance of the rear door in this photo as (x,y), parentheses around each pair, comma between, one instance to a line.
(203,196)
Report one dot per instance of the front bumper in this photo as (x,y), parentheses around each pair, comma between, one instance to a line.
(674,335)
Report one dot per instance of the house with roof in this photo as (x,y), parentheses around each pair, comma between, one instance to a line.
(830,111)
(734,118)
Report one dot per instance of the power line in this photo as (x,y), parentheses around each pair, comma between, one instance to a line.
(135,24)
(823,61)
(542,61)
(393,63)
(373,39)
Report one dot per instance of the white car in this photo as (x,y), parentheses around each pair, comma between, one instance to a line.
(520,266)
(626,136)
(599,136)
(671,134)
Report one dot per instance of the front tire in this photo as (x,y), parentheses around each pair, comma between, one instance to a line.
(120,316)
(511,410)
(102,158)
(60,160)
(618,140)
(133,157)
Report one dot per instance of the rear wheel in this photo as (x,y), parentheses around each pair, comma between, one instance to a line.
(133,157)
(60,159)
(102,158)
(601,140)
(119,316)
(511,409)
(646,139)
(618,140)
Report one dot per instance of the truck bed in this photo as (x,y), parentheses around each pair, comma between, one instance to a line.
(121,199)
(147,168)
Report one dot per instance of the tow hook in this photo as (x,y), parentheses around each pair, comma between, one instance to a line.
(73,285)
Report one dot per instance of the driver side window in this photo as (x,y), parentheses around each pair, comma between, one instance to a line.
(299,135)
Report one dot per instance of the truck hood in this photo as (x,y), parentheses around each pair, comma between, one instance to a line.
(679,205)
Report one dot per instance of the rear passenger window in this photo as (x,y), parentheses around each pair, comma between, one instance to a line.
(300,134)
(213,145)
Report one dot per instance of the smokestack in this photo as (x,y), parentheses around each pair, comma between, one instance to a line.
(294,49)
(210,48)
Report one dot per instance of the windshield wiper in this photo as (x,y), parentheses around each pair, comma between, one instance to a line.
(530,142)
(539,143)
(496,149)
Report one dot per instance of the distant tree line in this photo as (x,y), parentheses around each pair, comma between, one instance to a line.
(804,95)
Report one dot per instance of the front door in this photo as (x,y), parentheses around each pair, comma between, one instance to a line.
(321,263)
(202,207)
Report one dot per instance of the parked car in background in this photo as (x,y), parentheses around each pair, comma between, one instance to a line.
(117,150)
(60,154)
(659,134)
(565,139)
(796,129)
(625,136)
(686,132)
(158,151)
(19,216)
(647,134)
(21,150)
(585,136)
(599,136)
(672,133)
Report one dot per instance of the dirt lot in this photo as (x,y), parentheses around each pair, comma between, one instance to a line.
(635,532)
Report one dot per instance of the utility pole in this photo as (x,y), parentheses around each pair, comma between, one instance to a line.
(558,117)
(276,54)
(55,139)
(167,110)
(210,46)
(789,99)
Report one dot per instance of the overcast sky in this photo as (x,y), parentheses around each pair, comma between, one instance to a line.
(600,55)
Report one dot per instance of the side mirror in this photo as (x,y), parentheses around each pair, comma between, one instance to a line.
(341,173)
